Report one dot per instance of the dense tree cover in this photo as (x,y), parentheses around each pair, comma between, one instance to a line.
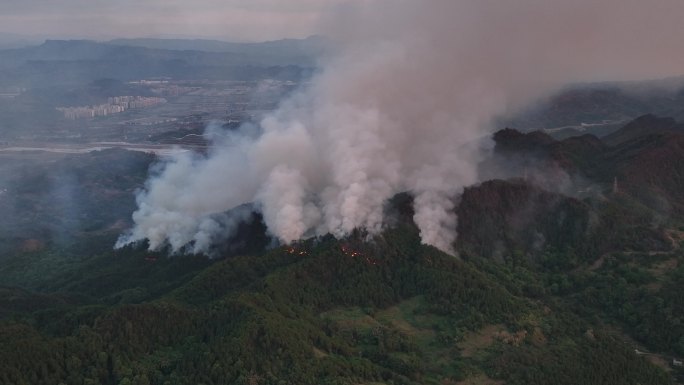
(599,360)
(647,300)
(548,289)
(320,312)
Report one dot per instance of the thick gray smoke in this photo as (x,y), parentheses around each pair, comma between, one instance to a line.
(400,109)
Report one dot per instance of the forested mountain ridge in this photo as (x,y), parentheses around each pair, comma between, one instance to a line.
(568,262)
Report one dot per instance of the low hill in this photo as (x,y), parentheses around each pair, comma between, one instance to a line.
(601,108)
(642,126)
(50,201)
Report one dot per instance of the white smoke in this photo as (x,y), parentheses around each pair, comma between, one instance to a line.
(399,109)
(288,213)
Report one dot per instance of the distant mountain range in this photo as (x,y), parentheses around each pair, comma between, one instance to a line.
(58,62)
(11,40)
(306,49)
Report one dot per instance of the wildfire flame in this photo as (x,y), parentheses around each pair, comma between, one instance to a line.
(295,251)
(354,254)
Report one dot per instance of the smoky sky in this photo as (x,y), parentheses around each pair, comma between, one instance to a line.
(401,108)
(226,19)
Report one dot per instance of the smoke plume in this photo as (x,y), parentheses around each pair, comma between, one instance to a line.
(401,107)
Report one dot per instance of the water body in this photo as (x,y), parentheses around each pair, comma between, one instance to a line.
(75,149)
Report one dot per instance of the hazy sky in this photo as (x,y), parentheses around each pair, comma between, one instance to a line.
(227,19)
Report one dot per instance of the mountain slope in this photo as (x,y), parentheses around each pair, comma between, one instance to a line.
(556,283)
(329,316)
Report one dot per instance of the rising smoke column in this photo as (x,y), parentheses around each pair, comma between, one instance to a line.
(400,108)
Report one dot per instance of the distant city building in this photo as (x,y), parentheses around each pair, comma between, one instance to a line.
(115,105)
